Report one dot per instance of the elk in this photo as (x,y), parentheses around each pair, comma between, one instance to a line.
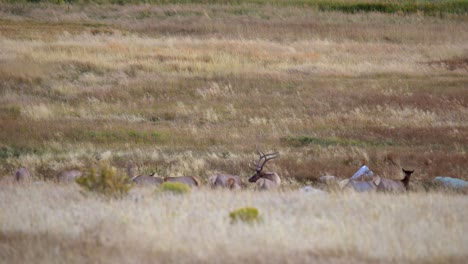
(233,185)
(22,174)
(225,181)
(69,175)
(143,179)
(191,181)
(147,179)
(265,180)
(388,185)
(151,179)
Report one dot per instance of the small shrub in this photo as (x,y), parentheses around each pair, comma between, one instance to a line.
(248,215)
(174,187)
(107,182)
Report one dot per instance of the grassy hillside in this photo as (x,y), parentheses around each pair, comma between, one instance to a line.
(192,89)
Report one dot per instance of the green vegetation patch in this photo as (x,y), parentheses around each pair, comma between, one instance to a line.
(248,215)
(332,141)
(107,182)
(12,112)
(17,151)
(427,7)
(113,136)
(174,188)
(350,6)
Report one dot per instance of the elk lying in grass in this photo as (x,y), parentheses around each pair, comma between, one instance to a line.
(152,179)
(225,181)
(69,175)
(22,175)
(265,180)
(191,181)
(233,185)
(147,179)
(143,179)
(387,185)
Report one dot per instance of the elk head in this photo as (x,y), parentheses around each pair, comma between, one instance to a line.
(263,158)
(406,180)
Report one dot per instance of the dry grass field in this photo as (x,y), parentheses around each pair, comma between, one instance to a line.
(192,89)
(47,223)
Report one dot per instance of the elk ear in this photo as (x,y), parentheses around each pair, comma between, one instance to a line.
(377,180)
(407,172)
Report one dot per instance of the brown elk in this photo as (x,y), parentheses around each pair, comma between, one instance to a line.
(153,179)
(265,180)
(22,174)
(225,181)
(143,179)
(150,179)
(233,185)
(191,181)
(388,185)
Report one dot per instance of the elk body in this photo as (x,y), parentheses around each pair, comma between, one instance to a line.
(191,181)
(152,179)
(22,174)
(147,179)
(69,175)
(388,185)
(143,179)
(265,180)
(233,185)
(225,181)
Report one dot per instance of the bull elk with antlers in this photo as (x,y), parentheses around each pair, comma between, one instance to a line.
(265,180)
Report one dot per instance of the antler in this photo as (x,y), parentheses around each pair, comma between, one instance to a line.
(265,157)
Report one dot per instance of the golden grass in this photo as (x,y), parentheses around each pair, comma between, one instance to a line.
(190,89)
(44,223)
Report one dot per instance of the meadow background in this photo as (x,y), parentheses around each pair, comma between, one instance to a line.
(192,87)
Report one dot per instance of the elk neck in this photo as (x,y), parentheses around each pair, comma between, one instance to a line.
(406,180)
(272,176)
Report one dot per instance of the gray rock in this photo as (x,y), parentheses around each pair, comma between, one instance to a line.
(451,182)
(363,174)
(22,174)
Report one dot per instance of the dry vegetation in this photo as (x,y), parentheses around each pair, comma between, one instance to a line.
(45,223)
(191,90)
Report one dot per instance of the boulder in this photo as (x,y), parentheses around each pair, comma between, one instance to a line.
(451,182)
(22,174)
(363,174)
